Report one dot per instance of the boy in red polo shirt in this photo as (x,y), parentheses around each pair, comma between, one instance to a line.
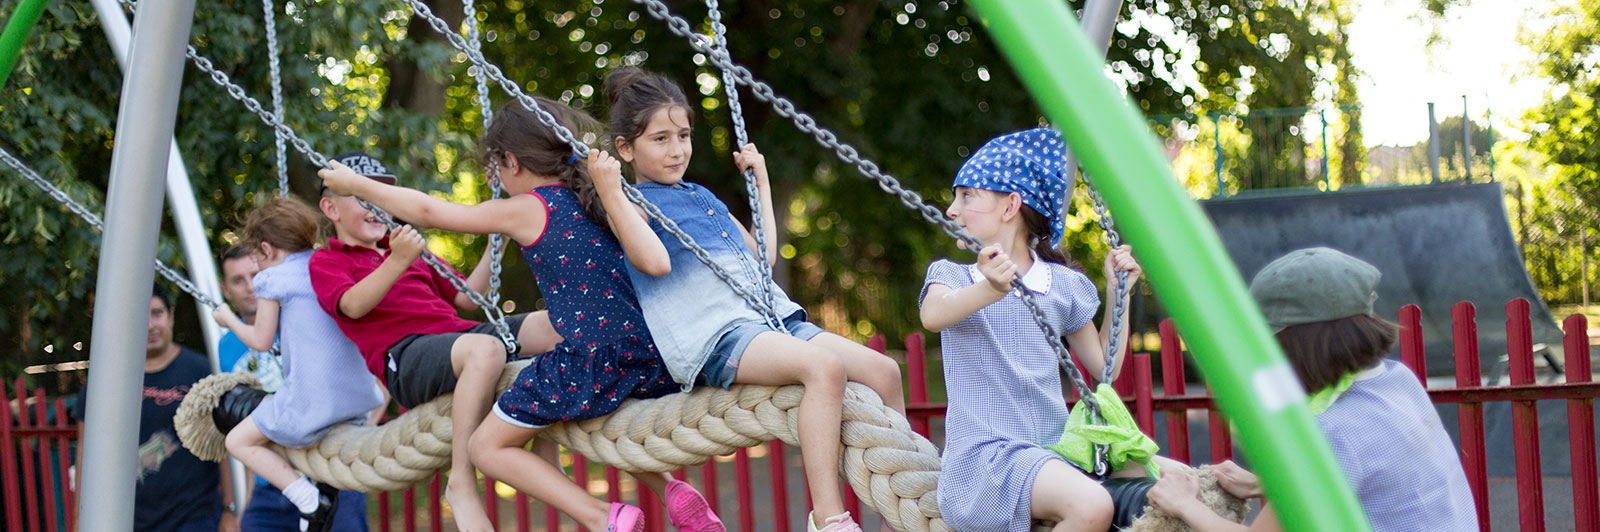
(402,316)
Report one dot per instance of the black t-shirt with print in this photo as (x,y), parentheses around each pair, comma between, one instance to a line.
(175,488)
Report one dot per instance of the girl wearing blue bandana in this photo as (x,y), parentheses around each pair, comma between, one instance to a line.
(1000,372)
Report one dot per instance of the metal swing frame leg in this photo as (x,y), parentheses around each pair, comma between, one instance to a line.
(145,123)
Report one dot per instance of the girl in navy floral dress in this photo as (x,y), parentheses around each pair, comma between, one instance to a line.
(607,354)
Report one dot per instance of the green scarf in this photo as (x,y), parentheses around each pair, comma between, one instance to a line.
(1120,435)
(1320,401)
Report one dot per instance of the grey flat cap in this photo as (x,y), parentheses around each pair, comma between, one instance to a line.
(1313,285)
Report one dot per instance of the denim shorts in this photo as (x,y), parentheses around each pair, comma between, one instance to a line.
(723,365)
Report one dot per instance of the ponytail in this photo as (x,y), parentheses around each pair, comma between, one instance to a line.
(1039,239)
(517,133)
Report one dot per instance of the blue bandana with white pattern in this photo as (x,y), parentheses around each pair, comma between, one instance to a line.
(1030,163)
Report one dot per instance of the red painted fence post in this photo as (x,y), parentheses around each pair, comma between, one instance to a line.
(1172,385)
(580,475)
(47,478)
(1142,400)
(777,466)
(1525,419)
(8,459)
(383,512)
(1468,375)
(68,499)
(917,376)
(741,476)
(1412,353)
(29,495)
(708,486)
(1580,427)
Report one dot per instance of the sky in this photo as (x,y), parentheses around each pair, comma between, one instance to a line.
(1480,58)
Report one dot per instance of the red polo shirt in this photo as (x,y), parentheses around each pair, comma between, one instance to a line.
(420,302)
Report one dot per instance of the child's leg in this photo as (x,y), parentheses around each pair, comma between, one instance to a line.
(497,449)
(246,443)
(536,334)
(863,365)
(1070,498)
(778,359)
(477,360)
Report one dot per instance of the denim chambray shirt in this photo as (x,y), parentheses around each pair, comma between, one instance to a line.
(689,309)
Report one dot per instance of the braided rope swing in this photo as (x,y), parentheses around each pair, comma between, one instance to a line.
(892,468)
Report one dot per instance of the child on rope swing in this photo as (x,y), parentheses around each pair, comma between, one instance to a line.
(608,354)
(320,364)
(1385,433)
(707,334)
(401,314)
(1001,374)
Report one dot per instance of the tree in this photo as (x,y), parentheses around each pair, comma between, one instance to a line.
(916,86)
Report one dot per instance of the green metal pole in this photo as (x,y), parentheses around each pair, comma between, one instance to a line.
(18,28)
(1184,260)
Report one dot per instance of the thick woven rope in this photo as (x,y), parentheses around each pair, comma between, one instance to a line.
(1156,520)
(892,469)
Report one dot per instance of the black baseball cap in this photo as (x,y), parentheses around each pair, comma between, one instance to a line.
(363,164)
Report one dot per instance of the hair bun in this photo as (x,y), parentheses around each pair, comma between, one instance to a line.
(620,79)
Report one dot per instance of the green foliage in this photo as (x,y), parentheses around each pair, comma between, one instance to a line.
(916,86)
(1565,131)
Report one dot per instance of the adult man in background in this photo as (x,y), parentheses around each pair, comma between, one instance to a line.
(176,492)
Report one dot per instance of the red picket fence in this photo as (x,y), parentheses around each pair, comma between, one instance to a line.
(41,452)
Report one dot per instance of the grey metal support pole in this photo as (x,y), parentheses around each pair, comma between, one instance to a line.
(1488,120)
(1433,144)
(1466,139)
(1327,185)
(128,249)
(1216,145)
(1099,17)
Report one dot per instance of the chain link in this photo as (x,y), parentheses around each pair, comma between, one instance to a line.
(582,150)
(491,170)
(268,9)
(827,139)
(94,220)
(719,35)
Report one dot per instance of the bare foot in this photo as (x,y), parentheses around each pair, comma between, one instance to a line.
(467,507)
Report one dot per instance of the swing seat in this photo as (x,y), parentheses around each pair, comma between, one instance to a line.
(234,406)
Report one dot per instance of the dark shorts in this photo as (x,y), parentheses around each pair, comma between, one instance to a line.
(723,365)
(417,368)
(270,511)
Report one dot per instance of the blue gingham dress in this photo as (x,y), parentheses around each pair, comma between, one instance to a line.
(1004,389)
(1396,454)
(325,378)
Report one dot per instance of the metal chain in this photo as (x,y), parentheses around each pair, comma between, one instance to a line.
(582,150)
(491,170)
(719,34)
(268,9)
(496,318)
(94,220)
(1114,240)
(827,139)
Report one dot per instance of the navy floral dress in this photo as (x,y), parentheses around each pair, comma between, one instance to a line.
(606,354)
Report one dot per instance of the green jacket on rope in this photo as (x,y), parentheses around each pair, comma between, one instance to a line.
(1120,435)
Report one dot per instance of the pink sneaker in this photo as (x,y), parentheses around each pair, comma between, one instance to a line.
(625,518)
(687,509)
(837,523)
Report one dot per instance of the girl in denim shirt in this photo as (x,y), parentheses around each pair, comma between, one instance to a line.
(706,333)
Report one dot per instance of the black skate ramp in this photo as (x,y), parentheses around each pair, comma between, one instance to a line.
(1436,245)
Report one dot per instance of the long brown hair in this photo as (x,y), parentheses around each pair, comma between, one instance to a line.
(287,223)
(634,95)
(1039,236)
(516,132)
(1323,352)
